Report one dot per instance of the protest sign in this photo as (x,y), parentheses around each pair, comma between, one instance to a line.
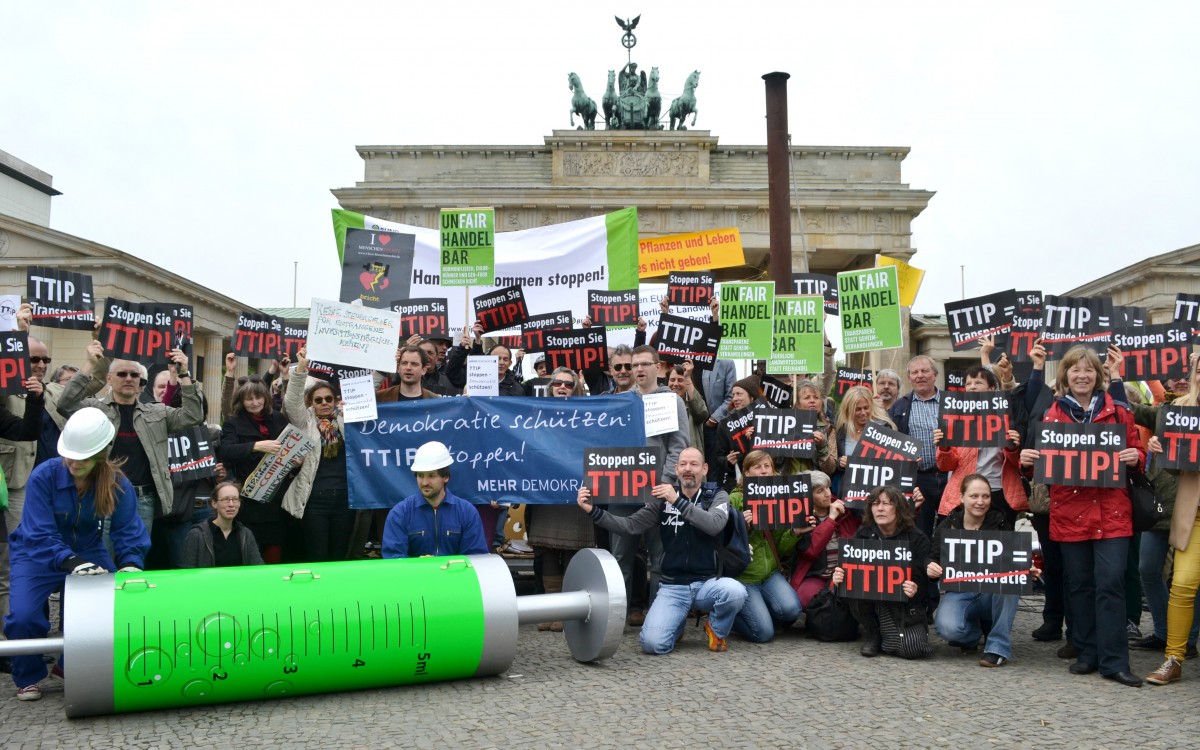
(9,304)
(353,335)
(468,246)
(681,339)
(501,309)
(425,317)
(910,278)
(258,336)
(181,330)
(1079,455)
(778,502)
(825,287)
(503,448)
(869,303)
(715,248)
(975,420)
(739,423)
(987,562)
(880,441)
(358,398)
(60,299)
(376,266)
(295,335)
(745,313)
(622,475)
(1187,310)
(848,378)
(533,337)
(190,455)
(483,375)
(784,433)
(14,362)
(1026,327)
(576,348)
(776,392)
(1067,321)
(865,474)
(265,480)
(797,336)
(972,319)
(876,569)
(335,374)
(1129,316)
(662,413)
(693,289)
(141,332)
(539,387)
(1154,352)
(613,309)
(956,381)
(1179,433)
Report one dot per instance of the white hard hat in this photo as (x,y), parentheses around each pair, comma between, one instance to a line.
(86,433)
(431,457)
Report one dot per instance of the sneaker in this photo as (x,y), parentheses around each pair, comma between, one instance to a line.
(992,660)
(714,643)
(1151,643)
(1047,632)
(1132,631)
(29,693)
(1170,671)
(57,673)
(1066,651)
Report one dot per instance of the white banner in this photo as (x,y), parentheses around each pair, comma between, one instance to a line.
(353,335)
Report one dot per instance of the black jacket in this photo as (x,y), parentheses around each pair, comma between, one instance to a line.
(993,521)
(918,545)
(238,436)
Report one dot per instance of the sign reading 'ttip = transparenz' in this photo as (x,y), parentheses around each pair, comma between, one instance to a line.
(970,320)
(1079,455)
(876,569)
(778,502)
(622,475)
(987,562)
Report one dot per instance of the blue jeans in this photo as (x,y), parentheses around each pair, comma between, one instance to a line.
(768,604)
(1095,572)
(721,598)
(1154,555)
(625,548)
(959,614)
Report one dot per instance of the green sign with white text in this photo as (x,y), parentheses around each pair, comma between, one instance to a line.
(798,341)
(468,245)
(869,303)
(746,311)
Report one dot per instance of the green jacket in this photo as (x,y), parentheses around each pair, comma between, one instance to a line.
(762,559)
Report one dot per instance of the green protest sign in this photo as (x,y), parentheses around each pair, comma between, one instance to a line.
(869,303)
(468,246)
(798,340)
(746,312)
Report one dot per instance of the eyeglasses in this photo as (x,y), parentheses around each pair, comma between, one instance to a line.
(623,366)
(127,374)
(227,500)
(323,399)
(43,360)
(643,365)
(562,383)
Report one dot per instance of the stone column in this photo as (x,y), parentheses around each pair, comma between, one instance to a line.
(214,376)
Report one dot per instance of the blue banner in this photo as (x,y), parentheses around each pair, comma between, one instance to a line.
(521,450)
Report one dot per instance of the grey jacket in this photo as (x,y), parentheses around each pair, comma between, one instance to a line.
(718,387)
(17,458)
(198,549)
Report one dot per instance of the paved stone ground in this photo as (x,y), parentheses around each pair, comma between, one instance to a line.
(791,693)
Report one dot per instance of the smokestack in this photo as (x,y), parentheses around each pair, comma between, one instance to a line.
(778,175)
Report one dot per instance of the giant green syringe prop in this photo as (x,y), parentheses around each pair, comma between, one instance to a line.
(159,639)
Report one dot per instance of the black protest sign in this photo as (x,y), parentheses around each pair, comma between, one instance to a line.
(817,284)
(141,332)
(690,288)
(1154,352)
(616,308)
(1068,321)
(739,424)
(14,362)
(60,299)
(576,348)
(972,319)
(776,392)
(865,474)
(426,317)
(503,308)
(987,562)
(956,381)
(1079,455)
(376,266)
(880,441)
(190,456)
(538,387)
(1179,433)
(295,335)
(975,420)
(334,374)
(1129,316)
(622,475)
(785,433)
(681,339)
(1187,310)
(1026,327)
(533,332)
(181,329)
(848,378)
(875,569)
(258,336)
(778,502)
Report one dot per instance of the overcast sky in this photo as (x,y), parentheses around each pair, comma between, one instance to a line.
(1061,138)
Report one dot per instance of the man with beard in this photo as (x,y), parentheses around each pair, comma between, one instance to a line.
(434,521)
(412,362)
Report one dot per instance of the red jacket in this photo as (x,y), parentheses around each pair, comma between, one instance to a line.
(965,461)
(1081,514)
(818,538)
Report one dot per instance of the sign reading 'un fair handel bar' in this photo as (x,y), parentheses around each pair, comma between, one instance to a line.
(869,301)
(468,245)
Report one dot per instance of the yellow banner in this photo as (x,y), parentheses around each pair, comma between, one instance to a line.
(910,278)
(696,251)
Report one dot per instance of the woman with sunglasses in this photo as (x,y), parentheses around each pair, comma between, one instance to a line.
(221,541)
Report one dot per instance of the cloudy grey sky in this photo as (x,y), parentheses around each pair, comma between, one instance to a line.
(1061,138)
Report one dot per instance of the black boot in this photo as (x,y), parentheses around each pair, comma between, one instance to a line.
(872,641)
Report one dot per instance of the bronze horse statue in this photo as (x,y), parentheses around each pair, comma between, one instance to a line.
(582,104)
(609,100)
(685,105)
(653,102)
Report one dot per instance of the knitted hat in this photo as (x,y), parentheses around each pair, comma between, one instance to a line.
(751,386)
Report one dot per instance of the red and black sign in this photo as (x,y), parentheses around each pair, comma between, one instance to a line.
(785,433)
(14,362)
(956,381)
(848,378)
(776,392)
(880,441)
(181,329)
(865,474)
(1154,352)
(142,332)
(334,374)
(970,320)
(258,336)
(1130,316)
(975,420)
(816,284)
(422,317)
(690,288)
(622,475)
(577,348)
(1187,310)
(190,456)
(538,387)
(533,333)
(681,339)
(619,308)
(876,569)
(778,502)
(1079,455)
(740,423)
(987,562)
(1026,327)
(503,308)
(1179,433)
(295,335)
(1067,321)
(61,299)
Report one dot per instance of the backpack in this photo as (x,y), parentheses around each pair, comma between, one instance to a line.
(733,545)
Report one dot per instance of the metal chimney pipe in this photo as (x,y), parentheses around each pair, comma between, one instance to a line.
(778,174)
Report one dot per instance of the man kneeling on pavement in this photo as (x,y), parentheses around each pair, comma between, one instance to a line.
(691,517)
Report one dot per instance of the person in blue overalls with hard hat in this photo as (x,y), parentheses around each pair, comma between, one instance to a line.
(65,500)
(434,521)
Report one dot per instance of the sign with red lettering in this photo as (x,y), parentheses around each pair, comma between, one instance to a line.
(141,332)
(975,420)
(987,562)
(14,362)
(880,441)
(681,339)
(622,475)
(1154,352)
(690,289)
(503,308)
(60,299)
(422,317)
(1079,455)
(258,336)
(1187,310)
(956,381)
(820,285)
(778,502)
(1026,327)
(785,433)
(615,309)
(876,569)
(577,348)
(865,474)
(265,480)
(1179,433)
(181,329)
(848,378)
(295,335)
(739,424)
(533,333)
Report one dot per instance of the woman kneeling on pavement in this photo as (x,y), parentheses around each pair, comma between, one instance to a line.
(818,551)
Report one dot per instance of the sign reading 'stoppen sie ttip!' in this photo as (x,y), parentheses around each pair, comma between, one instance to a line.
(533,332)
(740,423)
(778,502)
(987,562)
(142,332)
(692,289)
(975,420)
(1154,352)
(577,348)
(613,309)
(715,248)
(848,378)
(1079,455)
(468,246)
(1179,433)
(875,569)
(880,441)
(14,362)
(501,309)
(422,317)
(622,475)
(258,335)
